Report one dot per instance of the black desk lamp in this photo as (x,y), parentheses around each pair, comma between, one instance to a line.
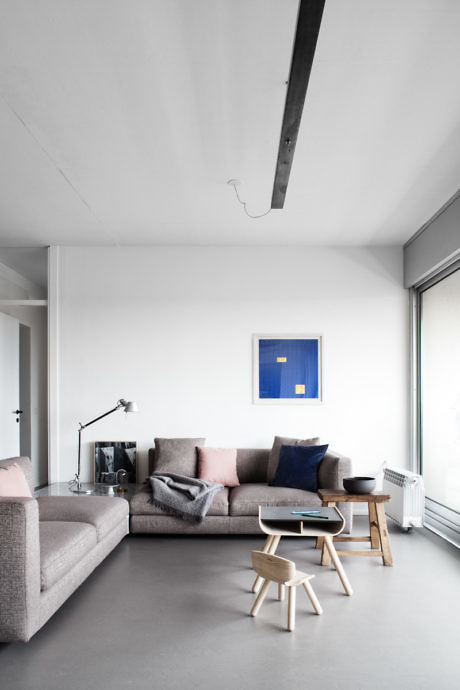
(75,484)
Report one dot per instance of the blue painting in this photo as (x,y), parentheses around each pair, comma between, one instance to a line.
(287,368)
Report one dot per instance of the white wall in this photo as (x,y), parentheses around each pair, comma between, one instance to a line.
(172,327)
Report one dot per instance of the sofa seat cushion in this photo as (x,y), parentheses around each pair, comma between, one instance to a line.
(62,546)
(141,503)
(103,512)
(246,498)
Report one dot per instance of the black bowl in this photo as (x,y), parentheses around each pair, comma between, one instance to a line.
(359,485)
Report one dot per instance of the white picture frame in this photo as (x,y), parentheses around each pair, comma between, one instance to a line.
(287,369)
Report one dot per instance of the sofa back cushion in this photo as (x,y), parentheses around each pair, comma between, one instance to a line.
(298,467)
(177,455)
(218,465)
(279,441)
(251,464)
(16,477)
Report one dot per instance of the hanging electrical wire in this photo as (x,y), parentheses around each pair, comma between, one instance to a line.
(234,183)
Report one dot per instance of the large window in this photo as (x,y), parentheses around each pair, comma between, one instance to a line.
(439,396)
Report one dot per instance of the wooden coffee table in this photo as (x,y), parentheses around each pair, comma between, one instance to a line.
(288,521)
(378,532)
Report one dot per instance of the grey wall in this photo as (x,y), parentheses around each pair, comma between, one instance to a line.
(436,245)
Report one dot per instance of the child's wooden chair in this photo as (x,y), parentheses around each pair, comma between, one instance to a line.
(276,569)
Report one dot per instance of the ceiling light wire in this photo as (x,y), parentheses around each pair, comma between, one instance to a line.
(234,184)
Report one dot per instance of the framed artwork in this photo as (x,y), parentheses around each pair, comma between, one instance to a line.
(287,369)
(115,462)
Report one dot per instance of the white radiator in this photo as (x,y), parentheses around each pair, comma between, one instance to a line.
(407,505)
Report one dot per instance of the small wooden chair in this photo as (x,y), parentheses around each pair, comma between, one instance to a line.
(276,569)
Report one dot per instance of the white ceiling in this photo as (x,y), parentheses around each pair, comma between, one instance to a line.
(121,121)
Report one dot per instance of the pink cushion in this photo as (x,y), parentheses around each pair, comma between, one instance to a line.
(218,465)
(13,481)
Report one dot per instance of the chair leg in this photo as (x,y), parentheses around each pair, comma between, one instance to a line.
(313,598)
(338,566)
(280,591)
(291,608)
(270,546)
(260,597)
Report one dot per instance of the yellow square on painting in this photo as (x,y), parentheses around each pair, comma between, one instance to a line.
(281,359)
(300,389)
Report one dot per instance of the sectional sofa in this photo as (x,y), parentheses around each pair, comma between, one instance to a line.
(48,547)
(235,510)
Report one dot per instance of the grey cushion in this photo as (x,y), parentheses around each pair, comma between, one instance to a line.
(251,464)
(141,503)
(62,546)
(103,512)
(246,498)
(177,455)
(25,465)
(279,441)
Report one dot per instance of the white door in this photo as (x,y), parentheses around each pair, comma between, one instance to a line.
(9,386)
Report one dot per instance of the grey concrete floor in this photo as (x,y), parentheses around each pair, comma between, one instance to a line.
(171,613)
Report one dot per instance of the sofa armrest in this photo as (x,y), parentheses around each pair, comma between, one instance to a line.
(332,469)
(19,569)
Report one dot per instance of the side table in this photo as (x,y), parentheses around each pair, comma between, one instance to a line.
(62,489)
(378,532)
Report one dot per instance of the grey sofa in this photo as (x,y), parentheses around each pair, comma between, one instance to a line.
(235,510)
(48,547)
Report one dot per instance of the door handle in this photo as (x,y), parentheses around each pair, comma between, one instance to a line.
(17,413)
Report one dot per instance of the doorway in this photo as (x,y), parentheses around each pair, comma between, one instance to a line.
(9,386)
(23,300)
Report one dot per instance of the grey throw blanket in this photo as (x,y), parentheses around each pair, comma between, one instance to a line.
(185,497)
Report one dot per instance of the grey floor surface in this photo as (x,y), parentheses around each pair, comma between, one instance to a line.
(172,613)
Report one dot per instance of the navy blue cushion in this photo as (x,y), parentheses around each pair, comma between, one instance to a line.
(298,467)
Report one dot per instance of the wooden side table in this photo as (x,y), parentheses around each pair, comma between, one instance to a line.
(378,532)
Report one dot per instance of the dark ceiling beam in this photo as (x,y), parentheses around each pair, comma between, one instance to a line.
(308,25)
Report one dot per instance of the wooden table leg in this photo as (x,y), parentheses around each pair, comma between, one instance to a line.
(265,549)
(383,534)
(325,557)
(270,546)
(268,543)
(338,565)
(275,541)
(373,526)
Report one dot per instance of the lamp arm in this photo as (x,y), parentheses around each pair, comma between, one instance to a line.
(120,403)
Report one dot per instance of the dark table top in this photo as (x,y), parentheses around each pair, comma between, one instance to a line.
(285,514)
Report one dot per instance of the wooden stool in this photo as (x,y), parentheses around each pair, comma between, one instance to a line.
(378,532)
